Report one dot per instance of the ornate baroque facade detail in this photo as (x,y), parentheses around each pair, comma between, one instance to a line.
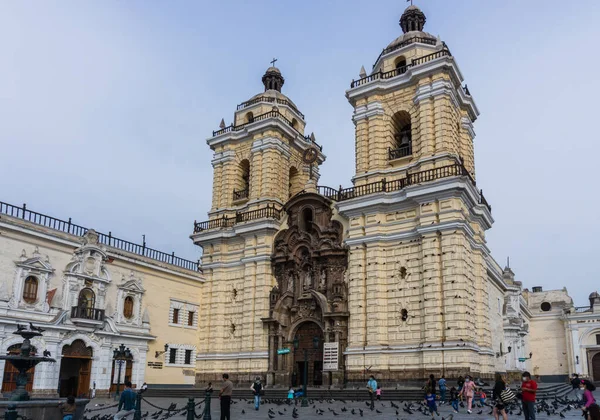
(39,268)
(309,263)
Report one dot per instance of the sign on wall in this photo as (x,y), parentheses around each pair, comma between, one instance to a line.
(155,365)
(331,356)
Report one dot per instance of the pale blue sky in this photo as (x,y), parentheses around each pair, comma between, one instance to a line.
(105,107)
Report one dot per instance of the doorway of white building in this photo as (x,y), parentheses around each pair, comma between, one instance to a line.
(75,370)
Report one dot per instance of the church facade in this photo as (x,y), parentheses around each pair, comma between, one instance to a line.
(391,276)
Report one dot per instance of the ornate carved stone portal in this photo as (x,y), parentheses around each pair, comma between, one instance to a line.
(309,262)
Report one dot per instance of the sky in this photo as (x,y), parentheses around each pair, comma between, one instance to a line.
(105,108)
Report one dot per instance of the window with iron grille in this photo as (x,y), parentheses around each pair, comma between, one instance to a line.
(172,356)
(191,315)
(175,316)
(188,357)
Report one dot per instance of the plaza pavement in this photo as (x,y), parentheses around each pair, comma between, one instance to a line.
(244,409)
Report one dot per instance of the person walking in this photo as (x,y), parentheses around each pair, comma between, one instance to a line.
(256,388)
(371,387)
(529,389)
(454,399)
(431,385)
(575,382)
(126,402)
(442,385)
(430,401)
(378,393)
(460,382)
(588,397)
(499,406)
(468,392)
(290,397)
(225,397)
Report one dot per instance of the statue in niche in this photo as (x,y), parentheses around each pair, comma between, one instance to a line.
(307,280)
(290,282)
(323,280)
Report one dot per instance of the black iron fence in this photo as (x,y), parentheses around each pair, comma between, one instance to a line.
(269,212)
(400,152)
(261,117)
(343,194)
(67,226)
(380,75)
(93,314)
(419,39)
(269,99)
(240,194)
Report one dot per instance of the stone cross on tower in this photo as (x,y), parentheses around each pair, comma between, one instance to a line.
(273,61)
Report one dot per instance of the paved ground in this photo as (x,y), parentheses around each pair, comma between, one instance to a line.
(244,409)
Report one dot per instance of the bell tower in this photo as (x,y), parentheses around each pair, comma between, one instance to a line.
(261,160)
(412,110)
(418,263)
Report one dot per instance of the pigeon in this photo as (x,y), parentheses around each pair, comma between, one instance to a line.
(34,328)
(47,353)
(21,327)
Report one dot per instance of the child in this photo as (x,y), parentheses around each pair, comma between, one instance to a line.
(482,397)
(290,395)
(378,393)
(454,399)
(68,408)
(430,400)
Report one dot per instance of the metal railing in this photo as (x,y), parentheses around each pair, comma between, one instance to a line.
(422,40)
(240,194)
(93,314)
(400,152)
(266,115)
(428,175)
(269,212)
(580,309)
(270,100)
(68,226)
(380,75)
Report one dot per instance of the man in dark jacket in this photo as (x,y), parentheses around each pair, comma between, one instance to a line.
(126,402)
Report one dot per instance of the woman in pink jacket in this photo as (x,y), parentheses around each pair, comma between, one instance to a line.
(588,397)
(468,392)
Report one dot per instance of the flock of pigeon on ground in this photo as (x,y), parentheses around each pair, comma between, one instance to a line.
(281,409)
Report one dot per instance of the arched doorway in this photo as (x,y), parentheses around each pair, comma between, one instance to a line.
(9,379)
(596,367)
(308,339)
(75,369)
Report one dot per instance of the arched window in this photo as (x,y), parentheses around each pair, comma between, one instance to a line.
(294,182)
(128,307)
(30,289)
(241,188)
(400,65)
(249,117)
(402,135)
(294,123)
(87,299)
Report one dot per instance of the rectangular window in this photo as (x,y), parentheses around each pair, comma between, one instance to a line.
(598,339)
(172,356)
(188,357)
(191,315)
(175,316)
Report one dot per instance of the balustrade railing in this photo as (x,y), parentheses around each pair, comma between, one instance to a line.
(400,70)
(428,175)
(240,194)
(269,99)
(93,314)
(269,212)
(400,152)
(422,40)
(580,309)
(266,115)
(67,226)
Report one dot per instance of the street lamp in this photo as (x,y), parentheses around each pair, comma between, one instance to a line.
(120,356)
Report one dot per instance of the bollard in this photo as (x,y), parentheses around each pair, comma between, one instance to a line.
(191,409)
(138,406)
(206,415)
(11,413)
